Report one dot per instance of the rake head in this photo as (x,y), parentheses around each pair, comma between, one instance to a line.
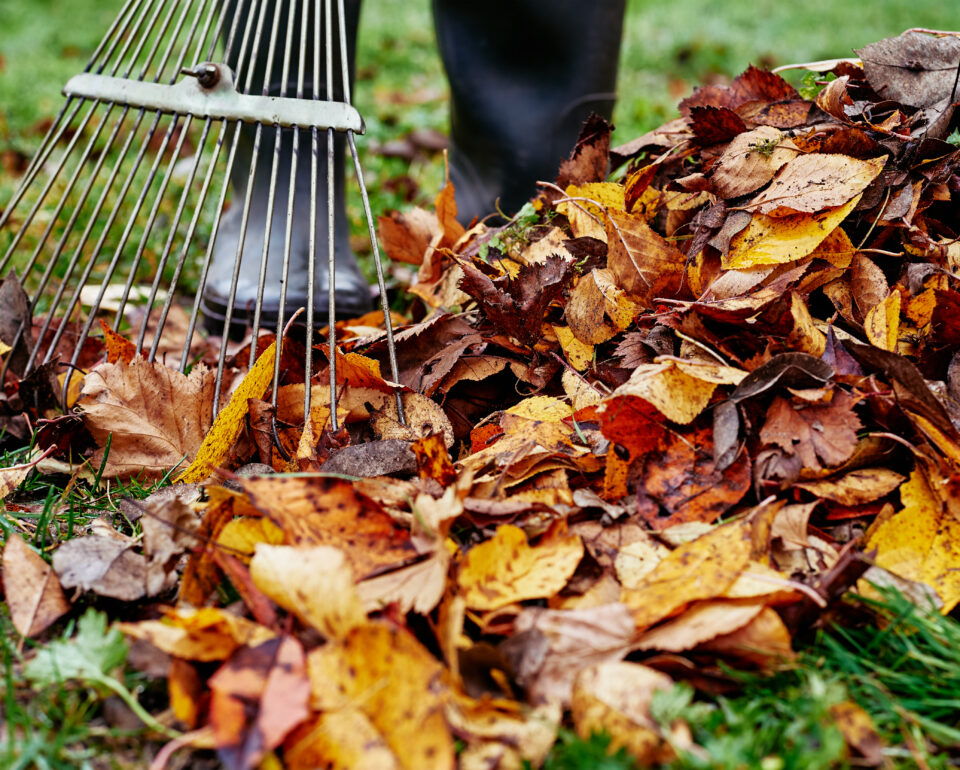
(121,207)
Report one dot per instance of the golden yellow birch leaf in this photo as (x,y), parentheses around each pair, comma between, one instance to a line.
(543,408)
(507,569)
(580,392)
(816,181)
(615,698)
(701,569)
(586,212)
(922,542)
(920,307)
(857,487)
(4,348)
(227,425)
(30,587)
(836,248)
(206,634)
(619,308)
(399,686)
(242,535)
(578,354)
(943,442)
(585,312)
(314,583)
(778,240)
(679,390)
(805,336)
(882,323)
(338,740)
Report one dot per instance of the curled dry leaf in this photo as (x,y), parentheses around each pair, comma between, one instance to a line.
(549,647)
(30,587)
(155,417)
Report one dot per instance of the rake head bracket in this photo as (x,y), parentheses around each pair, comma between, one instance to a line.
(221,101)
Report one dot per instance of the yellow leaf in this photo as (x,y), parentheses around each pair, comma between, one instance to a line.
(4,348)
(777,240)
(702,569)
(618,307)
(579,354)
(206,634)
(860,486)
(338,740)
(882,323)
(587,212)
(615,698)
(680,390)
(229,422)
(506,569)
(543,408)
(388,675)
(805,337)
(314,583)
(241,535)
(922,542)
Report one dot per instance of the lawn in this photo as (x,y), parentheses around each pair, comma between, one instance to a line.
(905,675)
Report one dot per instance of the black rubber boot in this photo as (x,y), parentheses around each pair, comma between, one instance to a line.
(353,295)
(524,76)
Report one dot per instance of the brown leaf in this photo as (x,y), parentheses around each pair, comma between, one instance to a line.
(590,157)
(743,168)
(517,306)
(407,236)
(915,69)
(326,511)
(643,263)
(549,647)
(258,697)
(156,417)
(816,434)
(30,588)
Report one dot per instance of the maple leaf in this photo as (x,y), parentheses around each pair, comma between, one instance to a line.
(154,417)
(517,306)
(818,435)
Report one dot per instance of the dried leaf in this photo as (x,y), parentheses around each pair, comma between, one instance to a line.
(155,416)
(506,569)
(31,590)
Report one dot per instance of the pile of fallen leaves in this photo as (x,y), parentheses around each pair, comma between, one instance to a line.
(757,324)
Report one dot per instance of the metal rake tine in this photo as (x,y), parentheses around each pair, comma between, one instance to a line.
(265,253)
(59,125)
(115,210)
(331,224)
(111,268)
(381,284)
(291,202)
(244,218)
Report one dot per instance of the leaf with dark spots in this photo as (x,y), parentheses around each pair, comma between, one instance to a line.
(328,511)
(516,306)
